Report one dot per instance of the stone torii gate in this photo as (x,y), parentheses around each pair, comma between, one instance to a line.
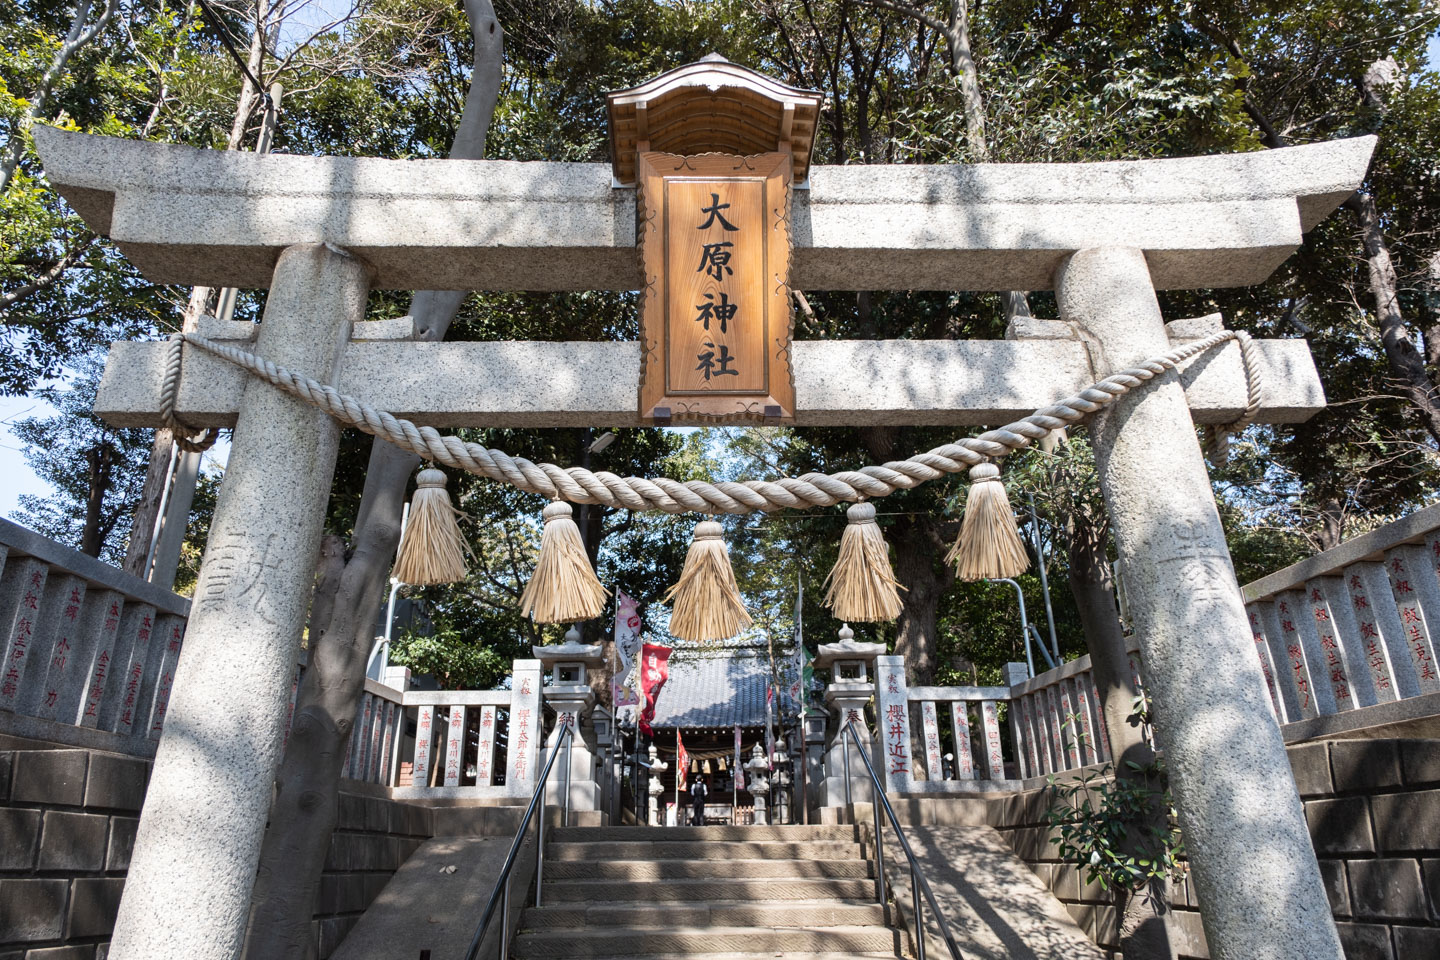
(320,232)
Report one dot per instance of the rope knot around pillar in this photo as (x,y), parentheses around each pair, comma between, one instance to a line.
(187,438)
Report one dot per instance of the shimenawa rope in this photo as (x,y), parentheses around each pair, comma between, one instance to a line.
(579,485)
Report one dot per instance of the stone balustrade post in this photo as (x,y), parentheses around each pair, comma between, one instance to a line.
(1250,852)
(523,760)
(187,894)
(892,708)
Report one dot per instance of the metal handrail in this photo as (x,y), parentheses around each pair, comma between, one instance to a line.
(918,883)
(500,896)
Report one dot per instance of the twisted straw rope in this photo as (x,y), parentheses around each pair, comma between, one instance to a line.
(186,437)
(579,485)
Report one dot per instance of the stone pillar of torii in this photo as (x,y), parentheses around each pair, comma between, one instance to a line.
(320,232)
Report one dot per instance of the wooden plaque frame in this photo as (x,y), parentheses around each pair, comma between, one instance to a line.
(672,388)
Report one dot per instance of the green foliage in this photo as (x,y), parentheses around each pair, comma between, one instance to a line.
(1060,82)
(454,658)
(1121,829)
(1101,823)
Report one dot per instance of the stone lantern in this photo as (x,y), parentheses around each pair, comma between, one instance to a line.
(657,767)
(849,691)
(758,783)
(781,758)
(570,696)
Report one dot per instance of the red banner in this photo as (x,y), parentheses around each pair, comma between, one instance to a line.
(654,671)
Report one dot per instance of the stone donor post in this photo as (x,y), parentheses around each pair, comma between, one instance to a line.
(188,890)
(1244,829)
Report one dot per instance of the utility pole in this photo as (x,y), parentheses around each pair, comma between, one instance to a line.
(169,534)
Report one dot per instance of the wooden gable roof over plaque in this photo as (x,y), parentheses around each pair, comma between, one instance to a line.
(746,113)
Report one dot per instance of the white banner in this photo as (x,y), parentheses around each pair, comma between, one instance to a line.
(624,689)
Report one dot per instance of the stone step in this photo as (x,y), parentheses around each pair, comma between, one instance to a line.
(853,955)
(695,941)
(690,850)
(720,913)
(795,832)
(702,869)
(705,889)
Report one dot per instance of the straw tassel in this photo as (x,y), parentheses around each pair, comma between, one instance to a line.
(863,588)
(563,588)
(989,546)
(707,600)
(432,549)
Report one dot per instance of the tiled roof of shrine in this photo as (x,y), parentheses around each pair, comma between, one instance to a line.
(716,688)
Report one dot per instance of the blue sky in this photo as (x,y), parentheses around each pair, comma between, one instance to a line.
(16,478)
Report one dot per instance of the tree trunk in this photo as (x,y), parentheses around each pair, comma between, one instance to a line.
(1407,366)
(92,538)
(142,531)
(157,476)
(1143,931)
(303,817)
(962,63)
(78,36)
(1332,525)
(245,105)
(1431,300)
(917,543)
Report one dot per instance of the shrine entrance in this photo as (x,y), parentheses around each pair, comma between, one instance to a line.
(716,706)
(698,238)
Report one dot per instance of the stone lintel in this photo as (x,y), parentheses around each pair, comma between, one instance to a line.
(837,382)
(220,218)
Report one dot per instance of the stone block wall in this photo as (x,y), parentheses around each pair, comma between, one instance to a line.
(67,824)
(373,837)
(1373,807)
(1374,812)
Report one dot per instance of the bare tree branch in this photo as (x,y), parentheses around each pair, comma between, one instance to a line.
(48,278)
(78,36)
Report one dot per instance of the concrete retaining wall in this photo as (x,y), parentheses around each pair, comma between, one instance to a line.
(67,822)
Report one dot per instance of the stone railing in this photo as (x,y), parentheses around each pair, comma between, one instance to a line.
(377,736)
(1354,626)
(474,744)
(444,743)
(1056,721)
(1340,636)
(89,660)
(974,725)
(89,651)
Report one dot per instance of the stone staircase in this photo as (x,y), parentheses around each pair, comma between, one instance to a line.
(717,892)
